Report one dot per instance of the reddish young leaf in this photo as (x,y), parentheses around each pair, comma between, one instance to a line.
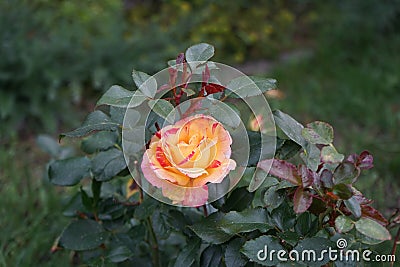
(213,88)
(352,158)
(361,198)
(326,178)
(332,195)
(281,169)
(365,161)
(173,74)
(206,75)
(343,191)
(368,211)
(180,58)
(307,176)
(302,200)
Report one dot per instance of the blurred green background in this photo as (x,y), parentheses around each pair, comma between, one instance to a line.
(336,61)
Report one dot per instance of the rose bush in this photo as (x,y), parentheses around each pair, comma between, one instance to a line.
(304,198)
(184,157)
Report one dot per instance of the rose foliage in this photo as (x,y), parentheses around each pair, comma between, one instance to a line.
(306,199)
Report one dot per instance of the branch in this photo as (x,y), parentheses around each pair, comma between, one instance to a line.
(154,245)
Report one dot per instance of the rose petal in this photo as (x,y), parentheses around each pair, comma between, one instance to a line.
(184,157)
(196,196)
(216,175)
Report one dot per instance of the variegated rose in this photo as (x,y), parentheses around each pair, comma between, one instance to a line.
(184,157)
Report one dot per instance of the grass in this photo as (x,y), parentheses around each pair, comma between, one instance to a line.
(355,86)
(30,211)
(358,93)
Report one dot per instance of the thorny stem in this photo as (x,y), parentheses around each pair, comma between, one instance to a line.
(396,240)
(154,245)
(136,173)
(96,190)
(322,216)
(205,210)
(224,98)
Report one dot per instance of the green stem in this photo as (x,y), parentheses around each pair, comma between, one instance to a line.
(154,245)
(96,190)
(205,210)
(396,239)
(322,216)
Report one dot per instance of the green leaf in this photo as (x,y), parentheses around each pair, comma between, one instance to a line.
(287,149)
(326,178)
(318,132)
(145,83)
(145,209)
(86,200)
(302,200)
(343,224)
(134,139)
(273,198)
(211,256)
(245,221)
(345,173)
(198,54)
(48,144)
(218,228)
(246,86)
(305,224)
(372,229)
(343,191)
(366,239)
(283,217)
(232,255)
(68,172)
(292,238)
(137,99)
(117,114)
(285,184)
(265,244)
(160,225)
(107,164)
(162,107)
(83,235)
(109,209)
(368,211)
(238,200)
(354,206)
(311,156)
(172,63)
(116,96)
(330,155)
(188,255)
(255,147)
(208,230)
(133,135)
(225,115)
(258,179)
(246,177)
(312,249)
(188,91)
(290,127)
(95,121)
(98,142)
(119,254)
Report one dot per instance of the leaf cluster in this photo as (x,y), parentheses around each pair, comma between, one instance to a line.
(301,207)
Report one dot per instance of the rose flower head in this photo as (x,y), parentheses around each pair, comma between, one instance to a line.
(184,157)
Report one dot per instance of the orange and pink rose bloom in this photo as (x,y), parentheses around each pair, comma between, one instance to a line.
(183,158)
